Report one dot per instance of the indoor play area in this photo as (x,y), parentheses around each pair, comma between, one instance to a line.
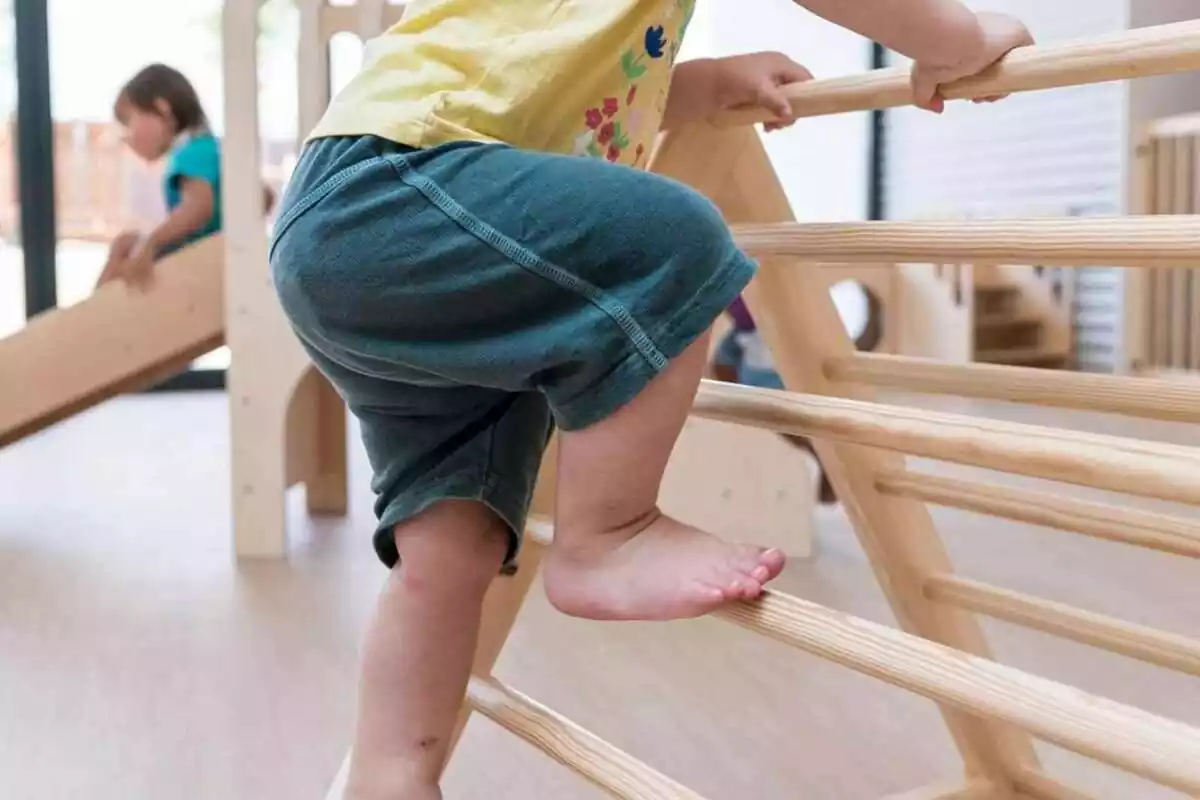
(983,463)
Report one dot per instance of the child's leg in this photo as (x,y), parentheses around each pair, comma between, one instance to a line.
(418,651)
(615,555)
(503,285)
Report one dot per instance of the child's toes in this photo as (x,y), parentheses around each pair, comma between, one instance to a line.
(743,589)
(771,562)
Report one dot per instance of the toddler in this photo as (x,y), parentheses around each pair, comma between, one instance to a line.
(468,250)
(162,117)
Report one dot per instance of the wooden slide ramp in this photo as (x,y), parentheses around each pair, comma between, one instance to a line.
(121,339)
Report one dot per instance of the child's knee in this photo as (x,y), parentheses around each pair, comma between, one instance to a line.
(454,545)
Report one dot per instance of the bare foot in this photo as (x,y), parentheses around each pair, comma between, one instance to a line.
(664,571)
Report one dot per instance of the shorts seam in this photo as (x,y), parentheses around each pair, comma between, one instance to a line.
(675,335)
(315,195)
(529,260)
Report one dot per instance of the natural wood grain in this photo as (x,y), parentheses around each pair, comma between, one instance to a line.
(1136,641)
(119,339)
(1172,401)
(1171,241)
(1130,54)
(802,327)
(618,773)
(1149,469)
(1145,744)
(1132,526)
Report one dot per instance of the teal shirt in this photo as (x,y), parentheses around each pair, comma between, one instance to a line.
(194,157)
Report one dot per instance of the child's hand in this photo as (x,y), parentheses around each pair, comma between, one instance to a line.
(757,79)
(138,269)
(1001,34)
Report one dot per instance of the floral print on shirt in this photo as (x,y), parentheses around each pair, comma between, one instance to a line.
(608,133)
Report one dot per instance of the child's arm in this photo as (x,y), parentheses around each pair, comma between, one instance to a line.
(705,86)
(946,39)
(195,209)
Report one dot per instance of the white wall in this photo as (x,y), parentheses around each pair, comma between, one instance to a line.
(1055,152)
(822,162)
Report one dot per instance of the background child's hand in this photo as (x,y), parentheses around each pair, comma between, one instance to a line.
(1000,35)
(138,269)
(757,79)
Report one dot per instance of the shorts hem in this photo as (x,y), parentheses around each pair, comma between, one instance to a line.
(508,508)
(630,375)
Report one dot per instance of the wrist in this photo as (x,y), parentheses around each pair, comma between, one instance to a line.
(962,41)
(693,94)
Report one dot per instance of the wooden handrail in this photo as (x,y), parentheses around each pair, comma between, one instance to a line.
(1135,241)
(1131,466)
(1148,398)
(1169,650)
(1138,53)
(1132,526)
(619,774)
(1145,744)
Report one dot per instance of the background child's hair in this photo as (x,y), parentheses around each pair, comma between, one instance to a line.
(160,82)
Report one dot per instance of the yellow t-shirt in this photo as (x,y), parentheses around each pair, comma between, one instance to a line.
(588,77)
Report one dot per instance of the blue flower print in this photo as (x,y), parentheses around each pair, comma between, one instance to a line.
(656,42)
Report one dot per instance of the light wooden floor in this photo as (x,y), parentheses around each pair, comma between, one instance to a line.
(138,660)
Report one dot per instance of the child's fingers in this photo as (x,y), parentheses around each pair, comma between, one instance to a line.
(925,92)
(772,97)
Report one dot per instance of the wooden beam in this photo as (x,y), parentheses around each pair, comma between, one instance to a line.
(1145,744)
(1133,466)
(1170,650)
(1147,398)
(1129,54)
(1132,526)
(800,324)
(1153,241)
(617,773)
(120,339)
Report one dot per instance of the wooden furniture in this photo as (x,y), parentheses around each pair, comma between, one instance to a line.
(1164,304)
(993,712)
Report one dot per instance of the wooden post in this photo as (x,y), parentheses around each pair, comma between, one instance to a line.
(270,390)
(800,323)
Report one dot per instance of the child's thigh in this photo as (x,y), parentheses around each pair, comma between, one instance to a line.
(428,444)
(489,266)
(627,268)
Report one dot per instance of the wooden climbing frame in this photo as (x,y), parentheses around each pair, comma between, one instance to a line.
(993,712)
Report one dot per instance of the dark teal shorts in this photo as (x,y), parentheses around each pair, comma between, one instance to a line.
(468,298)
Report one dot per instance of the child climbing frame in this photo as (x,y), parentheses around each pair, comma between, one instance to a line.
(993,711)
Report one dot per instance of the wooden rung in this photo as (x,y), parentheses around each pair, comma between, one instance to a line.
(1149,469)
(1132,241)
(1145,744)
(1138,53)
(1171,401)
(1136,641)
(975,790)
(618,773)
(1099,520)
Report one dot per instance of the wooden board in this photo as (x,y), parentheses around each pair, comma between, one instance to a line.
(120,339)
